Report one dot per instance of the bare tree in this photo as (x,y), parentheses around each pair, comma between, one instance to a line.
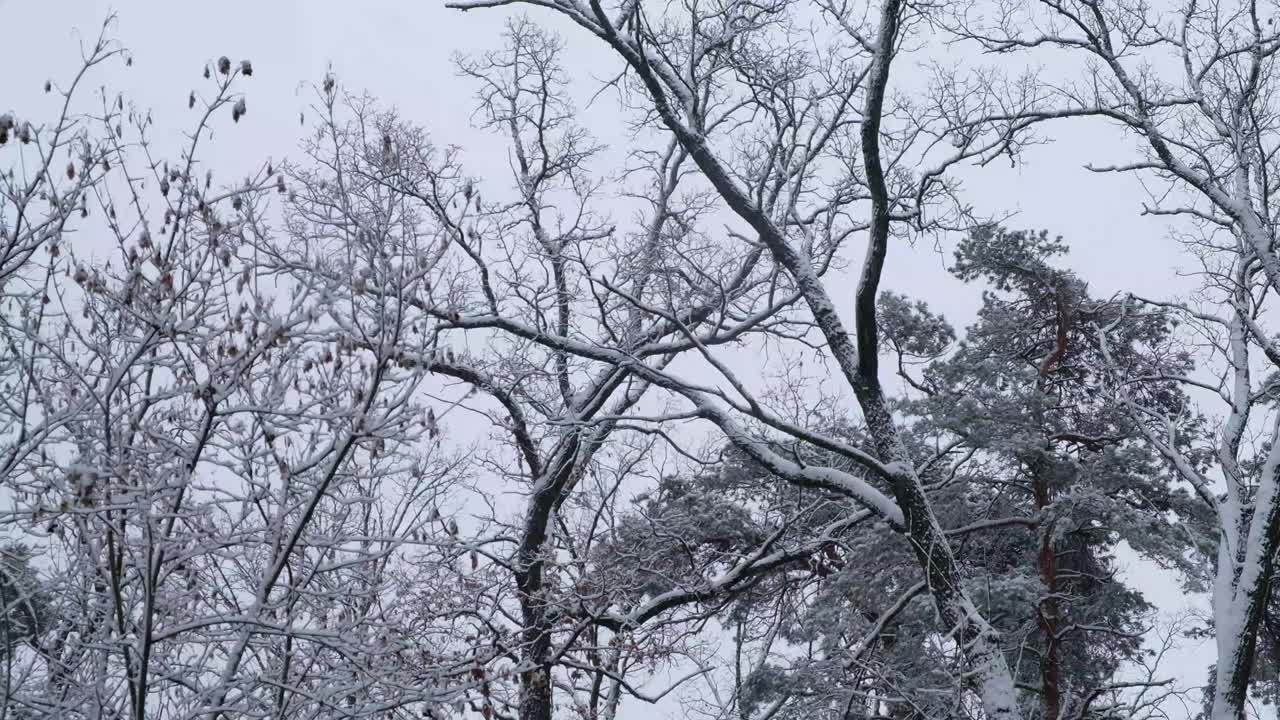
(210,438)
(799,137)
(545,261)
(229,424)
(1194,85)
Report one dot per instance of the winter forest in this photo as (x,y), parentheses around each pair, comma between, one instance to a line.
(615,381)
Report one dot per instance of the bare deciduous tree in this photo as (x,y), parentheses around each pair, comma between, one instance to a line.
(212,438)
(799,138)
(1194,85)
(235,487)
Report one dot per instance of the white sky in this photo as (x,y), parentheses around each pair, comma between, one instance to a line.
(399,51)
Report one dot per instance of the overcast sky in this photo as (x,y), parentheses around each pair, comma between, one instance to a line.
(400,50)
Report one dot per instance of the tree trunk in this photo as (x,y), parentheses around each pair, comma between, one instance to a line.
(535,646)
(549,481)
(1047,611)
(1237,637)
(1241,590)
(535,693)
(535,652)
(979,642)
